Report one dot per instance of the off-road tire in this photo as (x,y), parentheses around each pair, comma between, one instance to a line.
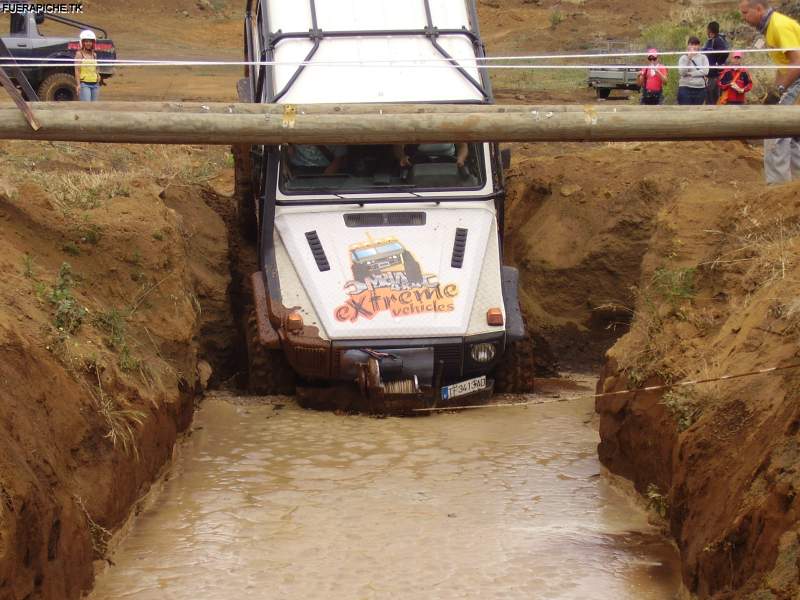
(517,369)
(603,93)
(268,372)
(58,87)
(243,192)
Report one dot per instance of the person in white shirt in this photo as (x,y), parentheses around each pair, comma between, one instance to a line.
(693,68)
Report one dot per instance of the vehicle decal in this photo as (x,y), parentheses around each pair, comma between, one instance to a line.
(387,277)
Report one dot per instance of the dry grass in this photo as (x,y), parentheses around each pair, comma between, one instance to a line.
(100,535)
(121,421)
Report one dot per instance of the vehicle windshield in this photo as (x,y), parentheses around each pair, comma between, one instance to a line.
(339,169)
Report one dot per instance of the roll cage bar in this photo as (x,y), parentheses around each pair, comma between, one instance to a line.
(259,79)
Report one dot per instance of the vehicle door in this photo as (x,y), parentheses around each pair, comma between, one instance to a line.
(14,32)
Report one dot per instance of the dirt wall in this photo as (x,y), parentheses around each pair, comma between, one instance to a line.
(718,295)
(581,217)
(108,279)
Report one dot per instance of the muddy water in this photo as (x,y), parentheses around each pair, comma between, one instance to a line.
(276,502)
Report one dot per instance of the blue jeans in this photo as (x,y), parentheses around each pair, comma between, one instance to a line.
(89,92)
(690,95)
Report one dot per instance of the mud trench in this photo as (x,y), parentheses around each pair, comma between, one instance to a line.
(265,497)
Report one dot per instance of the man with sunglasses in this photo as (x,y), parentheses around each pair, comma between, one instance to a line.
(652,79)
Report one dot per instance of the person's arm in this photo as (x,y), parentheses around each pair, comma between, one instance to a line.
(684,66)
(786,77)
(726,79)
(640,78)
(663,73)
(335,166)
(704,65)
(462,153)
(745,81)
(403,159)
(78,58)
(339,158)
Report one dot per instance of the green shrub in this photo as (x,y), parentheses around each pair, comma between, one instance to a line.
(69,314)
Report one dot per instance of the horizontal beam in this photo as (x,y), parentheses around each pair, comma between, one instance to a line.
(76,123)
(358,109)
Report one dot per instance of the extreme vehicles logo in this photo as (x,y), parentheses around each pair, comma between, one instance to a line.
(387,277)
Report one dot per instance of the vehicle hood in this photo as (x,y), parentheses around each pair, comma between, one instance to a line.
(391,282)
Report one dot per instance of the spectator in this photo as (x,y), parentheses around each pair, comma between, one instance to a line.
(715,45)
(693,69)
(652,79)
(782,156)
(86,76)
(735,82)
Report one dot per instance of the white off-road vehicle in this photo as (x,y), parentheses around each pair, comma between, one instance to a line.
(381,281)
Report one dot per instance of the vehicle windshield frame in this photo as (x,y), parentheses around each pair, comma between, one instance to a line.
(485,180)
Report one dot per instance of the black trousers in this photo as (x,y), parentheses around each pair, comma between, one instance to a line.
(712,90)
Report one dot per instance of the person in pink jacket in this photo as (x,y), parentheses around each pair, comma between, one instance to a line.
(652,79)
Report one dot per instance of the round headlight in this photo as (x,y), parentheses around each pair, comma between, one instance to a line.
(483,353)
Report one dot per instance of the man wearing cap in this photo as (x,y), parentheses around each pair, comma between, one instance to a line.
(652,79)
(781,157)
(735,82)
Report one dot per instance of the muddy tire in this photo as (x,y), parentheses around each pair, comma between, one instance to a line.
(243,192)
(603,93)
(268,372)
(58,87)
(517,369)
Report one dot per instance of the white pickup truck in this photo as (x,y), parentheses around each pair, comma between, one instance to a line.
(380,281)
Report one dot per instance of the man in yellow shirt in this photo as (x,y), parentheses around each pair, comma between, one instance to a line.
(781,157)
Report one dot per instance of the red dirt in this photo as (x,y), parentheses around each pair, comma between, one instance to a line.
(62,478)
(723,455)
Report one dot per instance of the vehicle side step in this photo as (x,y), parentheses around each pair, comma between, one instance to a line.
(318,251)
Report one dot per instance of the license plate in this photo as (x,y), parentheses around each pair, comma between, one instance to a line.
(464,388)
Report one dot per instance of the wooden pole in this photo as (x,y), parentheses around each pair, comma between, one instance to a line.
(344,109)
(8,85)
(585,124)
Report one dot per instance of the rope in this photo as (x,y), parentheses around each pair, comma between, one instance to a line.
(374,64)
(475,61)
(652,388)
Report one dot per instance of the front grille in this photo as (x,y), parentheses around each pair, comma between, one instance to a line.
(451,356)
(388,219)
(309,361)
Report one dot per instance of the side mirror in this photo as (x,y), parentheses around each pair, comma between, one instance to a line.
(505,158)
(39,18)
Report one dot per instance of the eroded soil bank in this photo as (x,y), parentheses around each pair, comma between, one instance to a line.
(114,268)
(718,295)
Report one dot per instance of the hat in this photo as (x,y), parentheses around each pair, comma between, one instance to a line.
(737,54)
(652,52)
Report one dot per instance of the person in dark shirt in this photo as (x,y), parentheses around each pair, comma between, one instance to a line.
(715,43)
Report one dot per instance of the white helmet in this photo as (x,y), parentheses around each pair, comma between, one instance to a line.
(88,34)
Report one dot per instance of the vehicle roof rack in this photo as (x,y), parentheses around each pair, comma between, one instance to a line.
(317,35)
